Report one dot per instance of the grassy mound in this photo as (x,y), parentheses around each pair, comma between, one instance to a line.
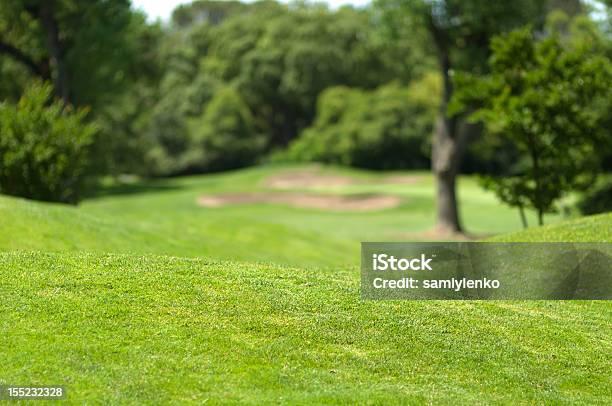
(587,229)
(164,218)
(138,228)
(149,329)
(30,225)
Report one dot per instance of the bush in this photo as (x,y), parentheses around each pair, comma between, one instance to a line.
(387,128)
(43,147)
(224,137)
(597,200)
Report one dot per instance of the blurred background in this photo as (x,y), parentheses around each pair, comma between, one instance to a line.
(389,119)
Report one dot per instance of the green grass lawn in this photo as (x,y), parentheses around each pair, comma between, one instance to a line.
(587,229)
(139,296)
(163,218)
(149,329)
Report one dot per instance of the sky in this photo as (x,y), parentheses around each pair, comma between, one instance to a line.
(163,8)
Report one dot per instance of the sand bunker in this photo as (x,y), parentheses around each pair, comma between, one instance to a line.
(307,179)
(323,202)
(402,179)
(313,178)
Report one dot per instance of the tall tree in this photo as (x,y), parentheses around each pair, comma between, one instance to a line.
(84,48)
(545,97)
(95,53)
(460,31)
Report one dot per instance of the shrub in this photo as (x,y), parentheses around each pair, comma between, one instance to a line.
(387,128)
(43,147)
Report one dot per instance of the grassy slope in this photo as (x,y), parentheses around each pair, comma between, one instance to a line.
(163,218)
(128,329)
(136,328)
(30,225)
(588,229)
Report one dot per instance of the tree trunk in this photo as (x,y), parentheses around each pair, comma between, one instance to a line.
(535,160)
(540,218)
(445,165)
(523,217)
(448,142)
(56,53)
(450,139)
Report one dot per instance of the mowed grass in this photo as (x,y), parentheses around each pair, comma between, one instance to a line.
(163,218)
(160,330)
(139,296)
(587,229)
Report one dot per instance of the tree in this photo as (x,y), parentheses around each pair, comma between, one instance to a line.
(98,54)
(542,96)
(86,49)
(459,31)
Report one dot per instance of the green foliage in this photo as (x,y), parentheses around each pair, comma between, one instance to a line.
(497,156)
(124,106)
(99,41)
(43,147)
(460,29)
(108,56)
(540,96)
(167,129)
(297,55)
(278,58)
(387,128)
(225,136)
(146,84)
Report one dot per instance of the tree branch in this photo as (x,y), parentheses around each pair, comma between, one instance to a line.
(36,68)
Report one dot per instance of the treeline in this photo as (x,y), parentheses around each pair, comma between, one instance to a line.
(242,81)
(226,84)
